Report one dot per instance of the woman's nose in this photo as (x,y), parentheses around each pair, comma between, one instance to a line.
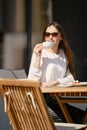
(51,36)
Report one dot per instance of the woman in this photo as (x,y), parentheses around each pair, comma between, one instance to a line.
(53,65)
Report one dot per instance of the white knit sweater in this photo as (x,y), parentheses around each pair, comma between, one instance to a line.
(52,67)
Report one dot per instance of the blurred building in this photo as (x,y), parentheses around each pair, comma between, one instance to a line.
(23,22)
(12,21)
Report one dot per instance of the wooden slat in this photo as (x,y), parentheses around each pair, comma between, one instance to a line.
(73,100)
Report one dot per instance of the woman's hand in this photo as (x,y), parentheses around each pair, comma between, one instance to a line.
(38,49)
(49,84)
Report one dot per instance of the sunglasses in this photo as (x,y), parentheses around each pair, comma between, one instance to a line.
(54,34)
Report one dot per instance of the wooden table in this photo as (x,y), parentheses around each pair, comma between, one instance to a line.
(74,94)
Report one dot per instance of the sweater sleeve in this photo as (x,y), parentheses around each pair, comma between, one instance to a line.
(67,78)
(34,73)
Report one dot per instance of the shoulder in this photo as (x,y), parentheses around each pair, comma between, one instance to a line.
(61,53)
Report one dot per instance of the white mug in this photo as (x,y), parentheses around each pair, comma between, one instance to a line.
(47,44)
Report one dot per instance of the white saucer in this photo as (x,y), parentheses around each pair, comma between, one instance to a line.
(81,83)
(65,85)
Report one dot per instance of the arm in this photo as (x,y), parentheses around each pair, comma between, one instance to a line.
(34,70)
(67,78)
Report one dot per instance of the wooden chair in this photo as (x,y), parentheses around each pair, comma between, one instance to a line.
(26,107)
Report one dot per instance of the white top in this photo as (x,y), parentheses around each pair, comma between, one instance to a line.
(52,67)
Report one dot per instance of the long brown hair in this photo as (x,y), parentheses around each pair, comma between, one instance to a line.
(64,45)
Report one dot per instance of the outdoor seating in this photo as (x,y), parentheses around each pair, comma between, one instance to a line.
(24,103)
(26,107)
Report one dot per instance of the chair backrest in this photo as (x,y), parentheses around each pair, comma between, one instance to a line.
(25,105)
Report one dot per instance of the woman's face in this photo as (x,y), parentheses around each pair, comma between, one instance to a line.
(52,35)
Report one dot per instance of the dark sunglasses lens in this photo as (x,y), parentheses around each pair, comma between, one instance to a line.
(47,34)
(54,34)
